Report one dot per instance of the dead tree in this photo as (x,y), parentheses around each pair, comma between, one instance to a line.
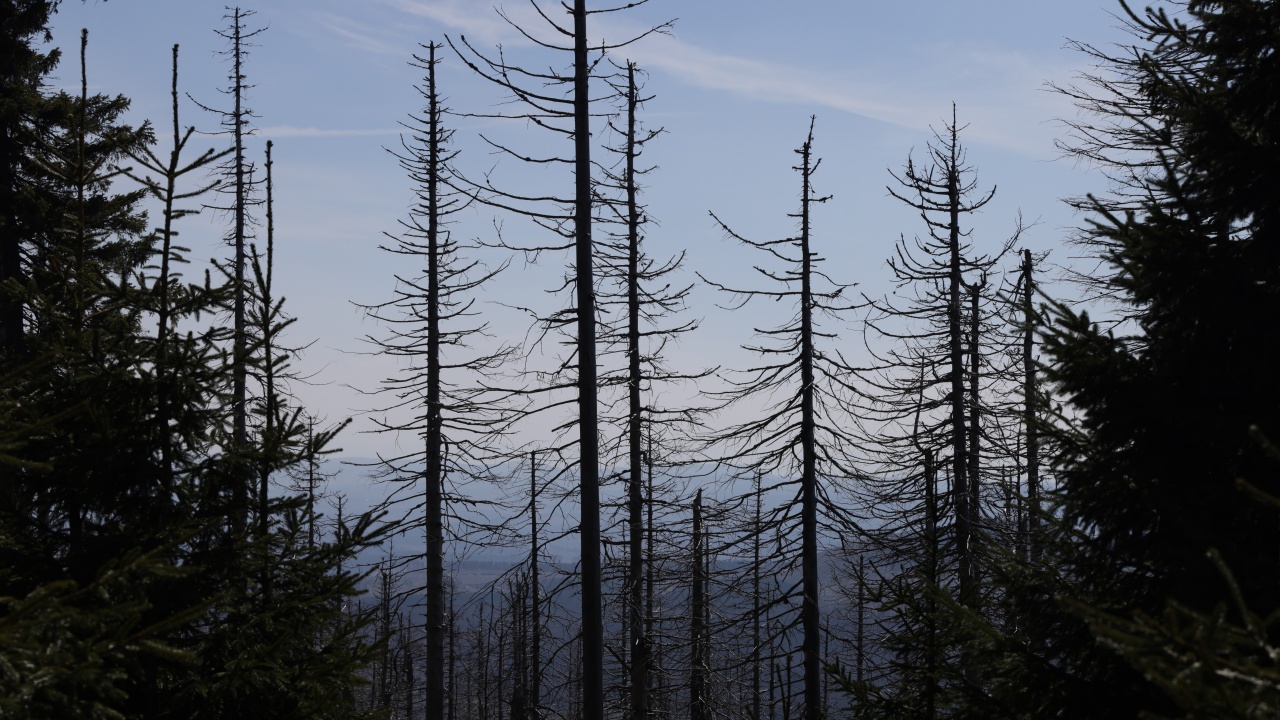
(440,395)
(561,102)
(1030,393)
(639,303)
(699,652)
(935,360)
(804,437)
(238,172)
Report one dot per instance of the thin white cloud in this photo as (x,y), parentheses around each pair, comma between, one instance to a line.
(478,20)
(290,131)
(1004,103)
(361,36)
(1000,94)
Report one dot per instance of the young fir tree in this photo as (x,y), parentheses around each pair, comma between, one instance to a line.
(113,521)
(1156,432)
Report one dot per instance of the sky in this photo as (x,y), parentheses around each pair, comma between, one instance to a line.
(735,83)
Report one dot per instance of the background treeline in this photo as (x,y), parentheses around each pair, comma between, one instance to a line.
(971,497)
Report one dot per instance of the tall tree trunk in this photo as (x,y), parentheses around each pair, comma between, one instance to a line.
(588,441)
(482,665)
(862,619)
(239,348)
(756,602)
(697,633)
(649,619)
(635,501)
(502,655)
(809,615)
(959,441)
(975,429)
(384,634)
(453,659)
(1032,513)
(434,475)
(931,615)
(535,613)
(311,484)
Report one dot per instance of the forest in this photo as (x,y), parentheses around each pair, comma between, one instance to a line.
(1004,488)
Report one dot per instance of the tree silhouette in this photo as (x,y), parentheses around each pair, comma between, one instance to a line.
(238,171)
(800,440)
(1163,377)
(20,81)
(638,303)
(442,387)
(568,115)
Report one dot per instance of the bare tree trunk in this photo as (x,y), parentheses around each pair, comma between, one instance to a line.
(535,613)
(635,501)
(1029,413)
(931,640)
(809,614)
(649,619)
(588,440)
(959,441)
(239,346)
(862,619)
(311,483)
(756,604)
(697,633)
(384,633)
(453,659)
(502,654)
(482,666)
(434,472)
(975,429)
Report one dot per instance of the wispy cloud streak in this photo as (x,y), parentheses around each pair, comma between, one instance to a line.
(290,131)
(1001,94)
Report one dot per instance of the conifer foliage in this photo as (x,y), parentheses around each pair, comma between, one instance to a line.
(1191,237)
(126,591)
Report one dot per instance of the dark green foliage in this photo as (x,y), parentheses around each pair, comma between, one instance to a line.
(1168,405)
(1156,432)
(125,592)
(22,70)
(69,650)
(290,651)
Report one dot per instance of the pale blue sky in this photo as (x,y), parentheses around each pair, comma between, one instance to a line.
(735,85)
